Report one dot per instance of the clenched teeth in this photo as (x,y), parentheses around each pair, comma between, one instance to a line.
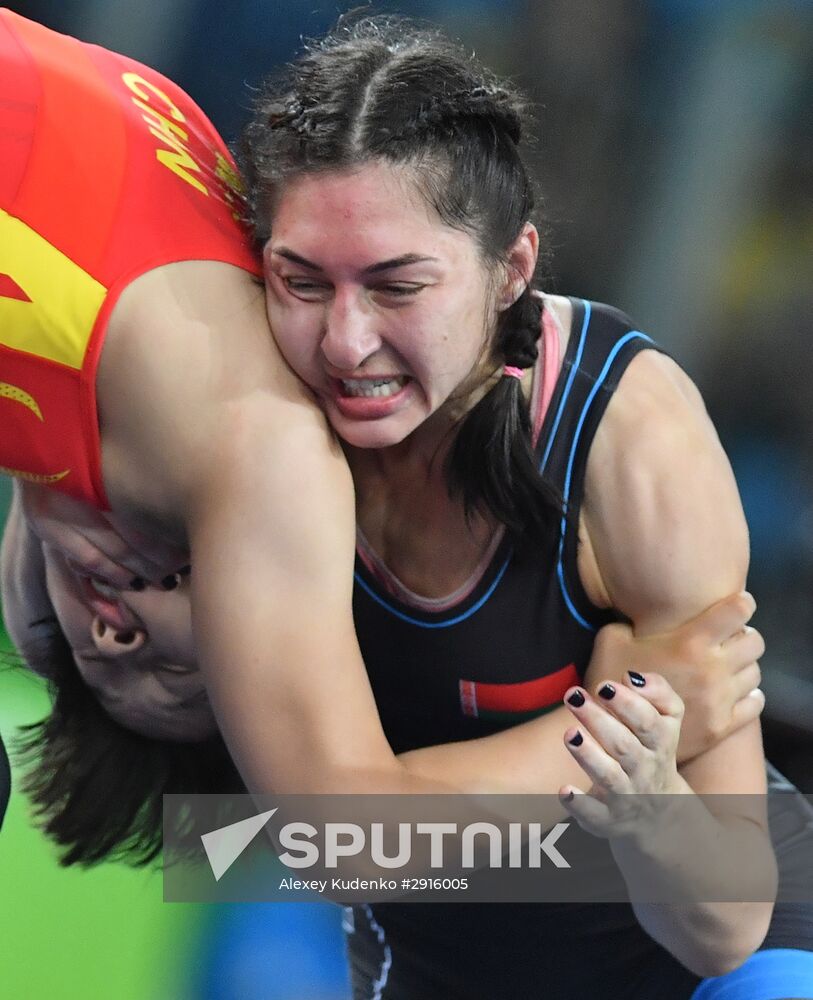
(373,386)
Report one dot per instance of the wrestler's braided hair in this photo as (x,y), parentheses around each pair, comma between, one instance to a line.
(385,88)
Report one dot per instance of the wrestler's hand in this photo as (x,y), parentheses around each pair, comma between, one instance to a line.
(97,543)
(711,662)
(625,741)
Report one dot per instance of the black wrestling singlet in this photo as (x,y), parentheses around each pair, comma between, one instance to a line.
(511,648)
(505,652)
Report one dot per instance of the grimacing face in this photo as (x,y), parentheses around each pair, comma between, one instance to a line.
(134,650)
(383,310)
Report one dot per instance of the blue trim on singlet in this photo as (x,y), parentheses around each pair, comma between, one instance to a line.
(449,621)
(632,335)
(773,974)
(574,369)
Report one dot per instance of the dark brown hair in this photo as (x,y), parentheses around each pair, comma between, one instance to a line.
(97,787)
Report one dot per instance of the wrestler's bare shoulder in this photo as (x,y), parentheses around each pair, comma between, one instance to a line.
(187,356)
(206,315)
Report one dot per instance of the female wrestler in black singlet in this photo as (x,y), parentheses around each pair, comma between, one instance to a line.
(394,208)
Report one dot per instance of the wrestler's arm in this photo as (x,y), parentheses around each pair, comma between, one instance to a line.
(271,536)
(665,526)
(215,439)
(317,727)
(710,660)
(163,414)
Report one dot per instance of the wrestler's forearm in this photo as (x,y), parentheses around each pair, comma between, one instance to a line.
(528,759)
(711,940)
(699,858)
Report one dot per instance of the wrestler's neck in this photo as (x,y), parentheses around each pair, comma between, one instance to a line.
(405,511)
(402,497)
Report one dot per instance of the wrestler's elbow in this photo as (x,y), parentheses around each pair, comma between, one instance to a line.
(740,930)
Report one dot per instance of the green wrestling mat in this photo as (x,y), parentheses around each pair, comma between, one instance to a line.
(65,933)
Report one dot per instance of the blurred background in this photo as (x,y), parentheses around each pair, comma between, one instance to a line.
(674,159)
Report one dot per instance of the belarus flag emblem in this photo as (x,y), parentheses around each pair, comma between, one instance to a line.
(516,702)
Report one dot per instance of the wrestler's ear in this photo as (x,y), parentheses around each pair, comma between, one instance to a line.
(520,266)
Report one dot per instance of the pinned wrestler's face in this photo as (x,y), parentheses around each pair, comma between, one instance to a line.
(134,650)
(378,305)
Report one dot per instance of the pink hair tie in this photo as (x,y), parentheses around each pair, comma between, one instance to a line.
(512,372)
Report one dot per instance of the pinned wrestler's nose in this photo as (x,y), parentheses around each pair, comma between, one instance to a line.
(116,642)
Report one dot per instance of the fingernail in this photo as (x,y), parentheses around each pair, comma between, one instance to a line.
(170,582)
(570,796)
(577,740)
(576,699)
(636,679)
(137,583)
(606,691)
(184,571)
(125,638)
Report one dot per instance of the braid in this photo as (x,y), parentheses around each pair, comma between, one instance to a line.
(518,331)
(445,112)
(491,464)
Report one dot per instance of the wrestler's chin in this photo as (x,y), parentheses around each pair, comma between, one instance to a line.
(373,427)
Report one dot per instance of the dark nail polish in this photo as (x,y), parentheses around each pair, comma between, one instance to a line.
(170,582)
(577,740)
(606,691)
(184,571)
(125,638)
(137,583)
(576,699)
(636,679)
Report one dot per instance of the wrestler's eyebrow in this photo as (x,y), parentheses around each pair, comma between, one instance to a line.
(294,258)
(403,261)
(385,265)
